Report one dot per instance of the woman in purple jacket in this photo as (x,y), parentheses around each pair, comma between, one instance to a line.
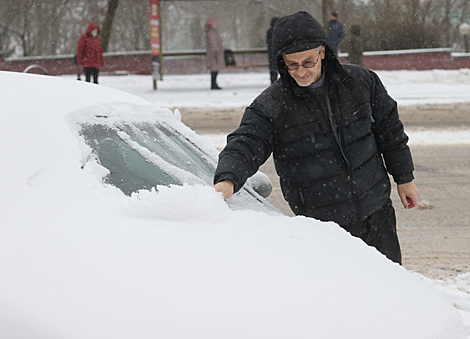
(215,51)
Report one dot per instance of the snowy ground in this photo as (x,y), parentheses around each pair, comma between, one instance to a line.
(406,87)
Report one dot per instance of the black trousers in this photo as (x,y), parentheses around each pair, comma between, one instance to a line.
(214,80)
(380,231)
(89,71)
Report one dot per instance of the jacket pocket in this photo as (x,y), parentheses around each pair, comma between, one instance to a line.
(297,149)
(301,132)
(294,197)
(299,141)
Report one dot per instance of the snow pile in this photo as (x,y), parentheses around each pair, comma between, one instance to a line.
(167,203)
(457,289)
(143,272)
(449,137)
(437,76)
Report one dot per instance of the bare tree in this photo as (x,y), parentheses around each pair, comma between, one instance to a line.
(9,11)
(108,22)
(325,8)
(31,27)
(131,26)
(401,24)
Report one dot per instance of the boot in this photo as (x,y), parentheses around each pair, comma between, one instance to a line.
(214,81)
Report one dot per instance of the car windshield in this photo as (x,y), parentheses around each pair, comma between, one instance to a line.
(142,155)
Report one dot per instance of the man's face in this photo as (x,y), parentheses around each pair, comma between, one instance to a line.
(305,76)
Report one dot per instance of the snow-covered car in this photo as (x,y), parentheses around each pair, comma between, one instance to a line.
(90,249)
(145,147)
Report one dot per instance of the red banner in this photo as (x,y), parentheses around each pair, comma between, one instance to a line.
(155,27)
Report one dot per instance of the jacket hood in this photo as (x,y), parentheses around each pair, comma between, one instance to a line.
(297,33)
(211,25)
(211,21)
(91,27)
(274,21)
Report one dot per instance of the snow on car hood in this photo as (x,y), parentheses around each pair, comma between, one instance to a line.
(80,259)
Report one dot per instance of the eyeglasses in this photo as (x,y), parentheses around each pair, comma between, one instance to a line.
(308,64)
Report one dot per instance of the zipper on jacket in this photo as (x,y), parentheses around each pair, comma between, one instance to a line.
(301,195)
(340,143)
(348,163)
(334,128)
(331,119)
(351,185)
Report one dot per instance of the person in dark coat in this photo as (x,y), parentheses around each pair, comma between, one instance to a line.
(335,32)
(334,133)
(215,51)
(272,62)
(90,52)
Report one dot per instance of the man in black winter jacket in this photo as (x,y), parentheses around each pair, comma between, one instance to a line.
(334,132)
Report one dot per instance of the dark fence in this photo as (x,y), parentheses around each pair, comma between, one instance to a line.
(194,62)
(416,59)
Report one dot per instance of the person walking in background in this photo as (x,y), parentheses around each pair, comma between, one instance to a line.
(90,52)
(335,32)
(334,133)
(272,62)
(357,46)
(215,51)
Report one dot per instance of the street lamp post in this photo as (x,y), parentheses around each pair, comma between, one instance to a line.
(155,41)
(464,29)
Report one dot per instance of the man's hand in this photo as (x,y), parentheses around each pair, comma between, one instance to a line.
(225,187)
(408,194)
